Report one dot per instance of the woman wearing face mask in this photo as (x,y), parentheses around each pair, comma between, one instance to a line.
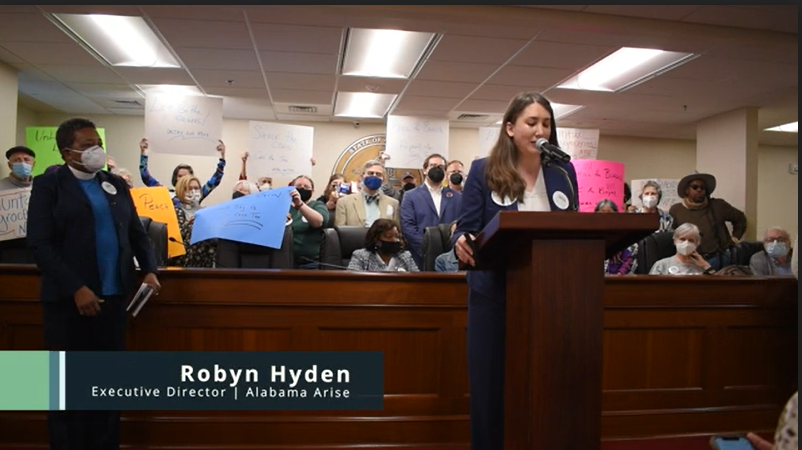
(332,194)
(243,187)
(201,254)
(384,250)
(308,217)
(687,261)
(650,197)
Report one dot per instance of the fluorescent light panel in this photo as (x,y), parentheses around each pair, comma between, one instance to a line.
(384,53)
(787,128)
(626,68)
(171,89)
(121,40)
(365,105)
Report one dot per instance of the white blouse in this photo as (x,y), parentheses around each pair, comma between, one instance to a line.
(538,198)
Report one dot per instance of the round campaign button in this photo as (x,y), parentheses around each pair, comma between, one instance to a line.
(506,201)
(108,187)
(560,200)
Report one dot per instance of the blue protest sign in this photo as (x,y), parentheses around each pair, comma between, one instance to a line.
(257,219)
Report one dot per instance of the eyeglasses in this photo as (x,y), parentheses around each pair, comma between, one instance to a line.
(697,187)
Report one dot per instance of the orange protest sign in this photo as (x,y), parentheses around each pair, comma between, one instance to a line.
(155,202)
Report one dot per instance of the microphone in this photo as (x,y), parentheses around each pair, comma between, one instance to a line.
(551,151)
(333,266)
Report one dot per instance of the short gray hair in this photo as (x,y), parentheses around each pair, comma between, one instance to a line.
(652,183)
(780,230)
(371,163)
(687,230)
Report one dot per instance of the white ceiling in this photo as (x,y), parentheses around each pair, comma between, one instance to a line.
(278,56)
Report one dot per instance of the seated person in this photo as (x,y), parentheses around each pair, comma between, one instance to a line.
(201,254)
(687,261)
(384,250)
(624,262)
(447,262)
(774,259)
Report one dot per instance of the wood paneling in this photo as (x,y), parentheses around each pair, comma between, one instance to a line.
(681,355)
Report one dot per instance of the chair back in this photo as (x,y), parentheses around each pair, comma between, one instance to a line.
(339,243)
(239,255)
(436,241)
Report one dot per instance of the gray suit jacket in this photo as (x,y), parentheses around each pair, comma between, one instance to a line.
(760,265)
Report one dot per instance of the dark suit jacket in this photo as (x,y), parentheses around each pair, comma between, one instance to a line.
(418,212)
(61,235)
(478,209)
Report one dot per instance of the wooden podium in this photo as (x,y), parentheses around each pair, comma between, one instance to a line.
(555,283)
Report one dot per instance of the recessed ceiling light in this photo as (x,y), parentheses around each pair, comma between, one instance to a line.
(384,53)
(366,105)
(626,68)
(787,128)
(171,89)
(121,40)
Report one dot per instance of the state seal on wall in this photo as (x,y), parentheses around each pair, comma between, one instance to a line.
(353,158)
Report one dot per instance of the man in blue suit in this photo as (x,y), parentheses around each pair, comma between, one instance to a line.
(84,232)
(428,205)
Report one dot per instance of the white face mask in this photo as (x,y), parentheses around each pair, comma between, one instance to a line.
(92,159)
(649,201)
(193,197)
(685,248)
(265,187)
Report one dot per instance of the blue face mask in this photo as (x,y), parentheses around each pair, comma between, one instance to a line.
(777,249)
(22,170)
(372,182)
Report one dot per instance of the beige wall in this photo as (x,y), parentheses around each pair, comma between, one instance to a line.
(643,158)
(8,100)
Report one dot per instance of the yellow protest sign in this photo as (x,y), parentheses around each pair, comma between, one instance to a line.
(155,202)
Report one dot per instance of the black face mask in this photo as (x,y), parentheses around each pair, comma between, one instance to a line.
(455,178)
(436,174)
(306,194)
(389,248)
(237,195)
(409,186)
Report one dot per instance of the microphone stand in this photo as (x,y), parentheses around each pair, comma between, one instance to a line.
(546,161)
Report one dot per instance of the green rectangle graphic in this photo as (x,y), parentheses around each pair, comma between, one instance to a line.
(24,380)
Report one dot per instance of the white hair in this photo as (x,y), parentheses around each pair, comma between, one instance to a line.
(686,231)
(780,230)
(252,187)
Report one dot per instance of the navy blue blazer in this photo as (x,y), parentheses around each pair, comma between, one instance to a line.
(61,235)
(479,208)
(418,212)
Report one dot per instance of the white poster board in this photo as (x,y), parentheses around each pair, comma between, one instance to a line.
(667,185)
(14,213)
(579,143)
(183,124)
(488,136)
(279,150)
(411,139)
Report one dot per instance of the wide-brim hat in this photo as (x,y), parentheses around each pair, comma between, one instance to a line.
(709,180)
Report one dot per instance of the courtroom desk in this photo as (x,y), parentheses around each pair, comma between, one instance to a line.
(682,355)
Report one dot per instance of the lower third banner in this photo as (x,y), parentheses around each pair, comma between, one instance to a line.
(193,381)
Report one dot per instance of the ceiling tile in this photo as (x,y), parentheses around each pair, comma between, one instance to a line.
(74,104)
(205,33)
(296,15)
(51,53)
(297,38)
(221,78)
(203,58)
(313,63)
(301,81)
(76,74)
(13,9)
(585,35)
(31,74)
(238,92)
(146,75)
(561,56)
(302,118)
(15,28)
(497,93)
(411,102)
(558,7)
(105,90)
(440,88)
(732,17)
(457,72)
(301,97)
(380,85)
(33,104)
(484,106)
(522,76)
(126,111)
(199,12)
(121,10)
(491,31)
(663,12)
(39,88)
(473,49)
(9,57)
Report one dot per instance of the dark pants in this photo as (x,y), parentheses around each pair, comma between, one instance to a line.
(719,260)
(67,330)
(486,358)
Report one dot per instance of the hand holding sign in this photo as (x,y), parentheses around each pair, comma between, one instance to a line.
(14,213)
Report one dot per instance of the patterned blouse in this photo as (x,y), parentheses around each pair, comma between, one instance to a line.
(202,254)
(623,263)
(788,428)
(666,221)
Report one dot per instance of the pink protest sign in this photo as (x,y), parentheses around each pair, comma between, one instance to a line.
(599,180)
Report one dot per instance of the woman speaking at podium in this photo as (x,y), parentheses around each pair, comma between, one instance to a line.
(514,177)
